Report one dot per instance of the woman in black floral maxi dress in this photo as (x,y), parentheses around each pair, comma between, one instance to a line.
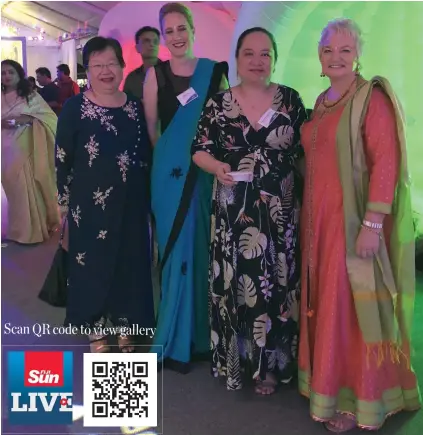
(254,270)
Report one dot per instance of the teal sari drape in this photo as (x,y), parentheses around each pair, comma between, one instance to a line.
(181,198)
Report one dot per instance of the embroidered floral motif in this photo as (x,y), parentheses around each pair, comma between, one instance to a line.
(131,110)
(91,111)
(92,148)
(100,197)
(80,258)
(123,163)
(60,154)
(63,199)
(102,234)
(76,214)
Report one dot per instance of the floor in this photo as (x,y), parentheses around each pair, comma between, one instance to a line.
(193,404)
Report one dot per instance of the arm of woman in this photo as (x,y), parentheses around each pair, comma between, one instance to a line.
(65,152)
(383,155)
(35,108)
(150,101)
(383,159)
(205,146)
(298,116)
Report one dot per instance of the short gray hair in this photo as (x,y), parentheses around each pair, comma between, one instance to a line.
(343,25)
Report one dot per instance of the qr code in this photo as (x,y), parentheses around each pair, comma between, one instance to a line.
(120,389)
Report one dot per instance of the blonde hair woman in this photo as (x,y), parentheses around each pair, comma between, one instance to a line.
(358,253)
(175,93)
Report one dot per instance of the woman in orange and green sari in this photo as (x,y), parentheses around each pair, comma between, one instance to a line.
(358,276)
(28,130)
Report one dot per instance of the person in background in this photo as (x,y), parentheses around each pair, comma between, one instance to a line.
(49,90)
(254,264)
(181,193)
(357,236)
(68,88)
(28,129)
(33,84)
(147,41)
(102,157)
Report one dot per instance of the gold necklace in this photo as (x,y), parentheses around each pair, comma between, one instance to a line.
(331,105)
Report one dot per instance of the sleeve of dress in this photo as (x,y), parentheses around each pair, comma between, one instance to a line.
(298,114)
(65,151)
(382,152)
(206,137)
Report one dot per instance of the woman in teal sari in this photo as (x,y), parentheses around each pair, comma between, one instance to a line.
(174,96)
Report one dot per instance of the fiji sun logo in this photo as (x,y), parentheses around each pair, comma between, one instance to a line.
(40,387)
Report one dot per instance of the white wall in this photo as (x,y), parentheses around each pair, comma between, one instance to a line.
(50,57)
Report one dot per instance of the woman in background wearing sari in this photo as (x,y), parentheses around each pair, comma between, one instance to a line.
(174,95)
(358,274)
(28,129)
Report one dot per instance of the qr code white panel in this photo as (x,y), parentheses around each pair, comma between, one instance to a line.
(120,389)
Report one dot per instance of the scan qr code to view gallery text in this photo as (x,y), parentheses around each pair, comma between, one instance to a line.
(120,389)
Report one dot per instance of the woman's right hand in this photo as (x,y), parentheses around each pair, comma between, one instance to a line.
(222,174)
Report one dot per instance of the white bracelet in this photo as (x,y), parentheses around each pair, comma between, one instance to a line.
(372,225)
(378,233)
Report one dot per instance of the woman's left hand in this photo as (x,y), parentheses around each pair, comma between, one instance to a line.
(367,244)
(7,125)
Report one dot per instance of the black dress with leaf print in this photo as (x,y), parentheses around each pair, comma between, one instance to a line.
(254,261)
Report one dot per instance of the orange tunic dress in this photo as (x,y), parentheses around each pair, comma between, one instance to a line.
(334,369)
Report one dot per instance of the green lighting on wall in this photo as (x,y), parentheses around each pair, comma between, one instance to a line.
(393,48)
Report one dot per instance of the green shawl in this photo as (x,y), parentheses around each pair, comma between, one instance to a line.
(383,287)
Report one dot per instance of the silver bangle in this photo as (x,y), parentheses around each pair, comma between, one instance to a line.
(372,225)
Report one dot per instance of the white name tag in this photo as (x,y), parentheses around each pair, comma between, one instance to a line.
(187,96)
(268,118)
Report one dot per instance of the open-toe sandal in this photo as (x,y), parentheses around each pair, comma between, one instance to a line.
(341,423)
(99,345)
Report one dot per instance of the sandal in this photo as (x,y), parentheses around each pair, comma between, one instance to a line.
(266,387)
(126,345)
(99,345)
(341,423)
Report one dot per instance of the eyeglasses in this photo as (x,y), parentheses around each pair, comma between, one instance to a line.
(99,68)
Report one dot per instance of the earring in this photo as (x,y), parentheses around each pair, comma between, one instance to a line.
(357,68)
(322,75)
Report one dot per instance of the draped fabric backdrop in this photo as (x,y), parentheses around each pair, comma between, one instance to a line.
(69,57)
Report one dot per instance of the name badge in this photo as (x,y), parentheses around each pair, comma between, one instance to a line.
(187,96)
(268,118)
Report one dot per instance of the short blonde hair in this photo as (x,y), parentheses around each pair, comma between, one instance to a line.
(343,25)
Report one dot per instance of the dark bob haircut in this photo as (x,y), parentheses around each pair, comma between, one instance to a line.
(256,30)
(99,44)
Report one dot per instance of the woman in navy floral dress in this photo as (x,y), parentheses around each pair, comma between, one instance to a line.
(102,157)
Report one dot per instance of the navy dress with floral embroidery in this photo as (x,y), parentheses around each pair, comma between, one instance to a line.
(102,160)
